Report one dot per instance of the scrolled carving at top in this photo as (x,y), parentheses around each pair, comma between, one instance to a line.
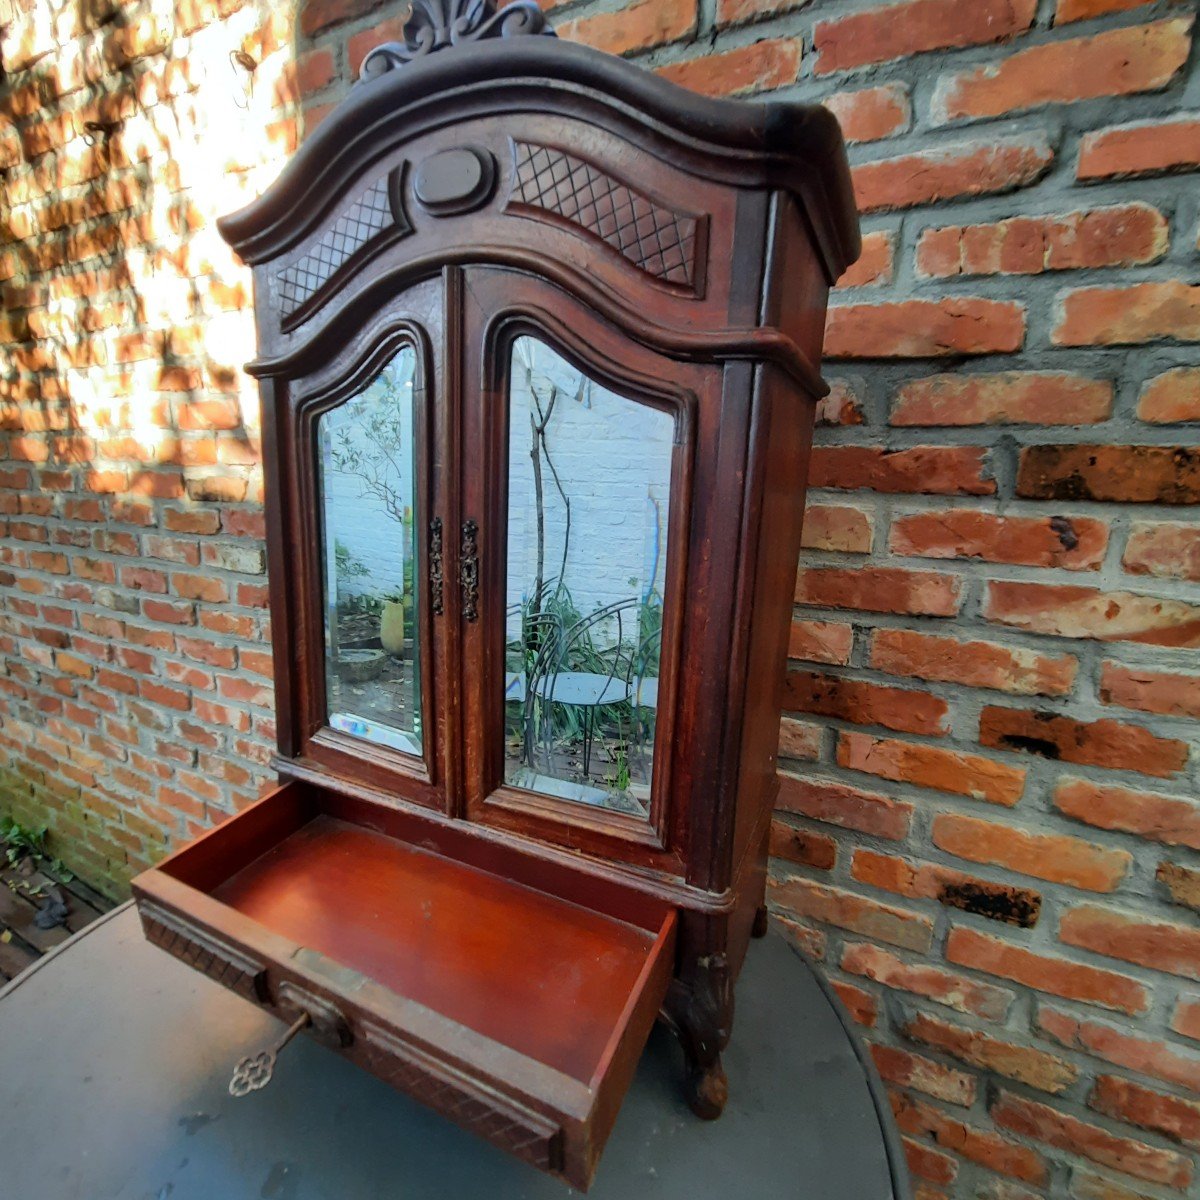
(437,24)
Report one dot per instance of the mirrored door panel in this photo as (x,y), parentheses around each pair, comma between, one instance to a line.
(589,482)
(367,465)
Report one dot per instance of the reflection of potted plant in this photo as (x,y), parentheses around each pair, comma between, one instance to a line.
(393,623)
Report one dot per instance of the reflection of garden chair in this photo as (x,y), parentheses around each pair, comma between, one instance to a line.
(570,671)
(643,685)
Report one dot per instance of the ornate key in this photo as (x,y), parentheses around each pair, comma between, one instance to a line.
(255,1071)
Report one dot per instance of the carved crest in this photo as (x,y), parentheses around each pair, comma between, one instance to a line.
(437,24)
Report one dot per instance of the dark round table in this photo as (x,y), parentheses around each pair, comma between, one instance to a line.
(115,1059)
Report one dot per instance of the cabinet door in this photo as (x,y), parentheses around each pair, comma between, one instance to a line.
(366,551)
(578,477)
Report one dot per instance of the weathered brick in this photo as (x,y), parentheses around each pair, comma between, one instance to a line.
(1052,857)
(865,703)
(872,113)
(924,328)
(898,30)
(879,589)
(1165,550)
(874,265)
(837,527)
(1121,1047)
(974,664)
(1080,612)
(759,67)
(642,25)
(1141,148)
(1171,397)
(840,407)
(836,804)
(1182,884)
(1074,543)
(1171,694)
(730,12)
(1170,1116)
(924,1162)
(930,982)
(799,739)
(1045,1124)
(1160,945)
(949,173)
(1124,235)
(932,767)
(1046,1072)
(1117,316)
(1186,1017)
(317,15)
(1057,976)
(1124,474)
(1009,398)
(802,846)
(909,1070)
(860,1004)
(915,1117)
(1115,62)
(955,889)
(1174,820)
(846,910)
(821,641)
(1113,744)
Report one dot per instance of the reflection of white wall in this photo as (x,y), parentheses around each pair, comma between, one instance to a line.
(613,457)
(353,516)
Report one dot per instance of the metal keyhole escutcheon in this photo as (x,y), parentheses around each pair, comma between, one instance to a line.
(256,1070)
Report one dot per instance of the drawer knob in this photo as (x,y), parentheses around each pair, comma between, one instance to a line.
(256,1070)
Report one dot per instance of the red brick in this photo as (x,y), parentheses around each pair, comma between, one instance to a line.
(915,1117)
(879,589)
(954,889)
(1112,744)
(836,804)
(1126,474)
(926,1163)
(1008,398)
(199,520)
(931,767)
(1129,316)
(952,326)
(821,641)
(860,1005)
(1142,148)
(1074,543)
(872,113)
(759,67)
(803,846)
(874,265)
(882,34)
(837,527)
(931,470)
(1170,819)
(974,664)
(321,14)
(1160,945)
(1116,62)
(642,25)
(731,12)
(908,1070)
(1052,857)
(1170,1116)
(1084,10)
(864,703)
(1163,692)
(1186,1019)
(1071,981)
(811,942)
(845,910)
(1124,235)
(950,172)
(1046,1072)
(1045,1124)
(1167,551)
(1080,612)
(1171,397)
(799,739)
(931,982)
(1182,884)
(1124,1049)
(840,407)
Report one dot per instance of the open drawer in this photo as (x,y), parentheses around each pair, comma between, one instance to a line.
(509,995)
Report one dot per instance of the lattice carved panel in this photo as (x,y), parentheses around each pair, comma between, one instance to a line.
(654,238)
(207,954)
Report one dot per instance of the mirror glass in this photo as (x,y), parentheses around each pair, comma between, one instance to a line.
(367,464)
(589,493)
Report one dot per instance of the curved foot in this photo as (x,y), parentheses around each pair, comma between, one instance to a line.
(707,1090)
(759,928)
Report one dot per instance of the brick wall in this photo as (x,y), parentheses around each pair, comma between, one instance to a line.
(988,817)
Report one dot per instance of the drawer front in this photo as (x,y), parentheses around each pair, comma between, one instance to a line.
(205,951)
(468,1102)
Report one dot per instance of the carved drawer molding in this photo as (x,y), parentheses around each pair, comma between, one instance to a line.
(204,951)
